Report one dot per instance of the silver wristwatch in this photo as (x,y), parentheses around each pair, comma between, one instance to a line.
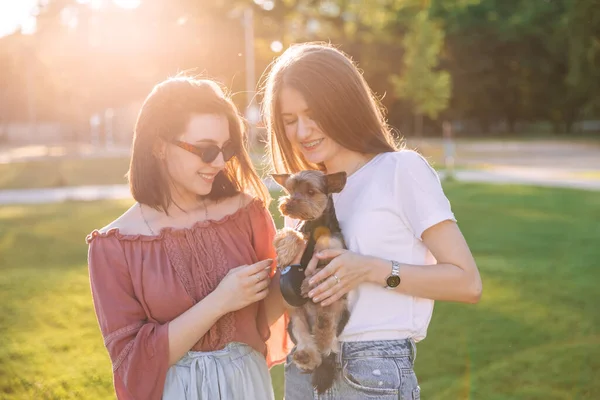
(393,279)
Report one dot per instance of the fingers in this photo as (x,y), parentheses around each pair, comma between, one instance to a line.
(334,296)
(330,253)
(317,293)
(259,277)
(261,295)
(328,292)
(258,267)
(311,268)
(325,272)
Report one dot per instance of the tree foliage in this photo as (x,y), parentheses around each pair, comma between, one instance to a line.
(480,61)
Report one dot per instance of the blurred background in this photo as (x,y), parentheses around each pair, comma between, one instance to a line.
(501,96)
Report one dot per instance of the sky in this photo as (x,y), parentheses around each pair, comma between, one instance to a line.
(15,13)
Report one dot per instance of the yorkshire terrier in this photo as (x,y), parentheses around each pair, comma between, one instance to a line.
(313,328)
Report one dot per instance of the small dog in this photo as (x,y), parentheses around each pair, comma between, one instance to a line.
(313,328)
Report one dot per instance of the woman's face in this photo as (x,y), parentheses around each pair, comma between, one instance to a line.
(192,176)
(303,132)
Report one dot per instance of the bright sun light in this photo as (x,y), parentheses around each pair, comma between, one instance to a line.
(128,3)
(131,4)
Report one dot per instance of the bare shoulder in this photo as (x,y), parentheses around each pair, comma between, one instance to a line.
(228,206)
(244,199)
(129,223)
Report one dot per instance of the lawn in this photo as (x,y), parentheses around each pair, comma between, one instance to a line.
(63,171)
(535,334)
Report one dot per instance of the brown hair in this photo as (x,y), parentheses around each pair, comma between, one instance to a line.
(342,103)
(163,117)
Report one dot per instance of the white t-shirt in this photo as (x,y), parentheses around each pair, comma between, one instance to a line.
(383,210)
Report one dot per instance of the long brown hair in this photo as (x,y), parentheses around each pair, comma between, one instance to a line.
(163,117)
(342,103)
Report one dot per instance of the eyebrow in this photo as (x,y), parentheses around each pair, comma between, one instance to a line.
(306,111)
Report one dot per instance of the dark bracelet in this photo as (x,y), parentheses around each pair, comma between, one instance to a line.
(290,282)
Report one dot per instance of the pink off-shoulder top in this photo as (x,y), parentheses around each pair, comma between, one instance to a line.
(139,283)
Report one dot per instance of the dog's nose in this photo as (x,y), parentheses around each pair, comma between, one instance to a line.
(285,207)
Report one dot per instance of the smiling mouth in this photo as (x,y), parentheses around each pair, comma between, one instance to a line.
(312,144)
(207,177)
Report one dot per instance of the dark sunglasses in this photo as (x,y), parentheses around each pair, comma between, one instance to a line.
(208,153)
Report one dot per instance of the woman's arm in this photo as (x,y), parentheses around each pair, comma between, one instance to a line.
(419,202)
(140,350)
(239,288)
(455,277)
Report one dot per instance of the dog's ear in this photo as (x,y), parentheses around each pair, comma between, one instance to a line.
(335,182)
(281,179)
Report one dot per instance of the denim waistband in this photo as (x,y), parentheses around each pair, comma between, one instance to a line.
(378,348)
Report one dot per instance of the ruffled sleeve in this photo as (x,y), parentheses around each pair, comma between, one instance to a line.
(277,339)
(138,348)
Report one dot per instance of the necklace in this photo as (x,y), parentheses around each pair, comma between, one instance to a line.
(148,225)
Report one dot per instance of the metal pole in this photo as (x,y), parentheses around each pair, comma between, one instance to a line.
(249,42)
(250,72)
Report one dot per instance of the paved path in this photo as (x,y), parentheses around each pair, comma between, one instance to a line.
(586,180)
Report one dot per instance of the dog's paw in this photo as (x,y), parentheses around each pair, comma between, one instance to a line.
(334,346)
(288,243)
(307,358)
(306,287)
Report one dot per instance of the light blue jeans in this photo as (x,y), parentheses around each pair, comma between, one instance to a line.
(365,370)
(238,372)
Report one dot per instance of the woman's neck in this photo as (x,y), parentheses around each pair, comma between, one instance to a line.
(347,161)
(184,203)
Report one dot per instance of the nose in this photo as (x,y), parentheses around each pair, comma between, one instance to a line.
(304,129)
(218,162)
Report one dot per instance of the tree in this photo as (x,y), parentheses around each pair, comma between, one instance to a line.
(427,88)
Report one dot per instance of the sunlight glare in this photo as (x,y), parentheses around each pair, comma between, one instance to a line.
(96,4)
(29,26)
(129,4)
(268,5)
(276,46)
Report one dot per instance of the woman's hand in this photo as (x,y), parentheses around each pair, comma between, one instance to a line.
(244,285)
(343,273)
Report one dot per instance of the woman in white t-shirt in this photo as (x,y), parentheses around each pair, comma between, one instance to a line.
(405,248)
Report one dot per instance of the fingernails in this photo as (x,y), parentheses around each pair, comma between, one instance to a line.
(316,299)
(311,293)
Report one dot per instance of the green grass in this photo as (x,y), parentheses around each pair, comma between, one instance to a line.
(62,171)
(535,334)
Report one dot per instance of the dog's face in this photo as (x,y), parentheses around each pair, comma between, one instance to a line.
(307,192)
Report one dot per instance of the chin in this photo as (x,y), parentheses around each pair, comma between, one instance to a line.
(315,157)
(202,190)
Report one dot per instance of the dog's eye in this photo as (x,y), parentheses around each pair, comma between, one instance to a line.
(311,192)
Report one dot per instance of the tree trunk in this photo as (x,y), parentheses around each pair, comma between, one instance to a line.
(419,125)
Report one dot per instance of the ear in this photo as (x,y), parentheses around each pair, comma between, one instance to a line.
(335,182)
(281,179)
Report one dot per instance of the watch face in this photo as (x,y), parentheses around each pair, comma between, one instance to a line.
(393,281)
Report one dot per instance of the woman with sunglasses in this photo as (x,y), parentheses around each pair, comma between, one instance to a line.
(405,247)
(183,282)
